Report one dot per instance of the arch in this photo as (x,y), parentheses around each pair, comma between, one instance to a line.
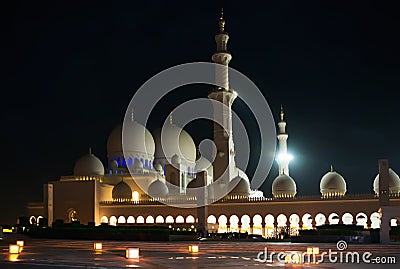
(294,225)
(281,220)
(211,219)
(146,163)
(234,223)
(150,219)
(169,219)
(32,220)
(159,219)
(269,225)
(257,224)
(320,219)
(121,219)
(135,196)
(375,220)
(179,219)
(130,163)
(307,221)
(347,218)
(104,219)
(361,219)
(130,219)
(222,220)
(190,219)
(113,220)
(245,220)
(140,219)
(333,219)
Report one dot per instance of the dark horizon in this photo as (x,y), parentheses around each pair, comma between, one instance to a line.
(70,71)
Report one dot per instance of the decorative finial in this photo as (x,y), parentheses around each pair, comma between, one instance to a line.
(132,116)
(222,21)
(170,119)
(90,150)
(282,113)
(331,168)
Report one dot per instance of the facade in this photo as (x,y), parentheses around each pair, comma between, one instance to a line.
(118,196)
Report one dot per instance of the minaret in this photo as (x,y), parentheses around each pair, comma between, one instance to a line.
(225,157)
(283,158)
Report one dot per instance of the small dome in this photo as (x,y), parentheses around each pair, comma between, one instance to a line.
(203,164)
(157,189)
(113,164)
(88,165)
(176,160)
(332,184)
(158,168)
(239,186)
(184,146)
(122,191)
(394,183)
(284,186)
(138,165)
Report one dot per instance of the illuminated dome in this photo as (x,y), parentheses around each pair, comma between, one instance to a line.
(332,184)
(239,186)
(176,159)
(184,146)
(122,191)
(140,141)
(394,183)
(88,165)
(203,164)
(284,186)
(158,189)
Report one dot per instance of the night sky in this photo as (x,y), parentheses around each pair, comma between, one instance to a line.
(69,70)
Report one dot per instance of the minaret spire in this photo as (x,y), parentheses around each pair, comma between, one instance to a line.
(222,21)
(283,158)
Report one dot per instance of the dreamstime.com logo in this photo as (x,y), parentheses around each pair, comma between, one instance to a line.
(313,255)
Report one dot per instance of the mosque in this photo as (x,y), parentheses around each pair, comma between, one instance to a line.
(133,188)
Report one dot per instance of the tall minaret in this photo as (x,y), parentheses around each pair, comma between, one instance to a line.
(283,158)
(225,157)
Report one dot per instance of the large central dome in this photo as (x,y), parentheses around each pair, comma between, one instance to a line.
(176,141)
(332,184)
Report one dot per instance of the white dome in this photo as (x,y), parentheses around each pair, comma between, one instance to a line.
(89,165)
(332,184)
(203,164)
(176,159)
(394,183)
(184,146)
(113,164)
(140,140)
(239,186)
(157,189)
(158,168)
(122,191)
(284,186)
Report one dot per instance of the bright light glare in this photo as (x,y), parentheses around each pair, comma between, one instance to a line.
(283,158)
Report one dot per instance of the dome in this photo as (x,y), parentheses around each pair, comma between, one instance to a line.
(284,186)
(89,165)
(158,168)
(122,191)
(140,140)
(239,186)
(184,146)
(203,164)
(332,184)
(176,159)
(394,183)
(158,189)
(113,164)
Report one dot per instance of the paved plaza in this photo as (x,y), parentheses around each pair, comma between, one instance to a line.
(44,253)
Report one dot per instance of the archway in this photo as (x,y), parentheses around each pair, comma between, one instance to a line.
(104,219)
(159,219)
(333,219)
(140,220)
(234,224)
(320,219)
(113,220)
(222,220)
(307,221)
(294,220)
(121,219)
(179,219)
(149,219)
(269,225)
(130,220)
(257,224)
(245,227)
(361,219)
(347,218)
(190,219)
(375,220)
(169,219)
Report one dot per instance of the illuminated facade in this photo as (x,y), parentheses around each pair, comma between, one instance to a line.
(110,195)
